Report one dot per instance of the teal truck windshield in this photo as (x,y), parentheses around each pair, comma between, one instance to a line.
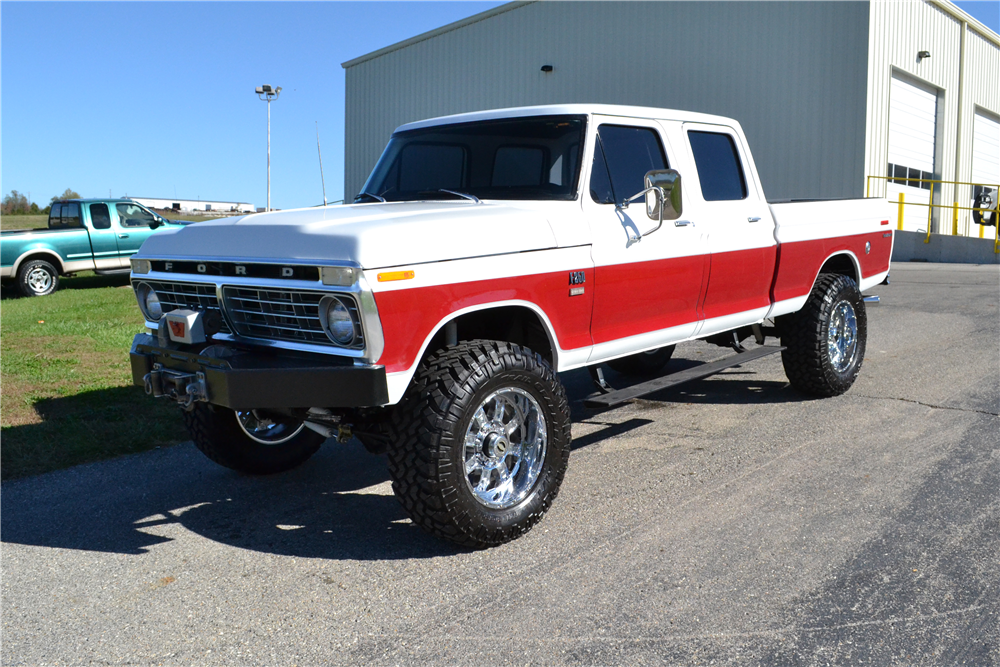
(518,158)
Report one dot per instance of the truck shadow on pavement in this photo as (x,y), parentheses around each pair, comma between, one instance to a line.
(336,506)
(339,505)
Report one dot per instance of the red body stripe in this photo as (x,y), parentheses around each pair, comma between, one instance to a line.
(646,296)
(409,315)
(627,299)
(800,261)
(739,281)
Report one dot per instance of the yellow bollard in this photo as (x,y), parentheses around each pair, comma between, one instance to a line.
(954,220)
(899,216)
(930,213)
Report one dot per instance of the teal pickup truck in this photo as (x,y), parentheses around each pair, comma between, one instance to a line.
(83,235)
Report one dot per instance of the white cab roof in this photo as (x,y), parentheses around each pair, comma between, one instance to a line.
(622,110)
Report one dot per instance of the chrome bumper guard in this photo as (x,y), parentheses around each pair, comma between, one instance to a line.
(244,380)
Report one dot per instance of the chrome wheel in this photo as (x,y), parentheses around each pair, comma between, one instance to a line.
(505,448)
(842,339)
(39,280)
(267,431)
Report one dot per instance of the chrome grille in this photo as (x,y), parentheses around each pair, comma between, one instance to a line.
(286,315)
(193,296)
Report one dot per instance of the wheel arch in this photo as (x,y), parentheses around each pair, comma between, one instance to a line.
(523,321)
(470,321)
(841,262)
(45,254)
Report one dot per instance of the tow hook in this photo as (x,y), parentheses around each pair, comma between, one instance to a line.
(184,388)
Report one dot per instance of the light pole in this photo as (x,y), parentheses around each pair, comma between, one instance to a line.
(266,93)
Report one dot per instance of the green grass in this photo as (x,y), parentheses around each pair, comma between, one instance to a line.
(23,221)
(66,394)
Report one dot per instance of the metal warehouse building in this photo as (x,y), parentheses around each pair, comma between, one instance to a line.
(828,93)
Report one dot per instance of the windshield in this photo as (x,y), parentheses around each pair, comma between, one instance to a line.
(518,158)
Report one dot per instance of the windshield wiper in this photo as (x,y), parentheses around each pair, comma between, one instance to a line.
(369,194)
(472,198)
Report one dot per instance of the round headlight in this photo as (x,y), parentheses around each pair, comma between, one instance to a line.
(337,321)
(149,302)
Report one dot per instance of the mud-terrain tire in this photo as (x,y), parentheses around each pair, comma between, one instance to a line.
(643,364)
(37,278)
(825,340)
(217,432)
(482,444)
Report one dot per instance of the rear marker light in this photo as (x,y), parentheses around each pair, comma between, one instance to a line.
(885,222)
(395,275)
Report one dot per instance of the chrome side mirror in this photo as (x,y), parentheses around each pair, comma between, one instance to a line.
(666,206)
(663,198)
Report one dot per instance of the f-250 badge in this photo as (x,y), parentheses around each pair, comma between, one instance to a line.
(576,278)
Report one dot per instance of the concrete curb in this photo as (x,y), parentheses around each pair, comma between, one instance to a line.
(910,247)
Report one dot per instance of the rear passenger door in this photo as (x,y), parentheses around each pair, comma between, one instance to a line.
(728,207)
(646,291)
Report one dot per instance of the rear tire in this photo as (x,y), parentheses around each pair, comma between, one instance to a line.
(37,278)
(483,443)
(825,340)
(245,442)
(646,363)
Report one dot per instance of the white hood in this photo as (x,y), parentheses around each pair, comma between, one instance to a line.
(372,235)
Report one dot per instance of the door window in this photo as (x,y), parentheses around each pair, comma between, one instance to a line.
(133,215)
(718,165)
(627,153)
(100,216)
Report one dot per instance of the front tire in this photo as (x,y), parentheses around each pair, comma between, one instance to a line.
(826,340)
(483,443)
(249,441)
(37,278)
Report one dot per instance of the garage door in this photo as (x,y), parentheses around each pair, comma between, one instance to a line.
(912,124)
(985,157)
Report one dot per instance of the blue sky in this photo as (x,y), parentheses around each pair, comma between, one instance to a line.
(156,99)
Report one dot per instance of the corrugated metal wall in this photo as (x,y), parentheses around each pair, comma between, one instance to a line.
(899,30)
(793,73)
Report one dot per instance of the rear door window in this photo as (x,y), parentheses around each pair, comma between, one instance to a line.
(629,152)
(718,164)
(520,166)
(100,216)
(430,167)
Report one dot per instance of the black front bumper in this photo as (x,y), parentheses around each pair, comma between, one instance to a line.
(244,380)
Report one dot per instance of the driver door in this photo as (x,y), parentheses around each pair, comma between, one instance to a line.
(132,229)
(647,291)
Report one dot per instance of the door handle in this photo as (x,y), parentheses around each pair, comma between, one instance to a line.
(123,236)
(753,219)
(683,223)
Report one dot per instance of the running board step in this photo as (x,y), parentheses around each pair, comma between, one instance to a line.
(620,396)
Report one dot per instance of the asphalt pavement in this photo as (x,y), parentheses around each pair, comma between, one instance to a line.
(731,521)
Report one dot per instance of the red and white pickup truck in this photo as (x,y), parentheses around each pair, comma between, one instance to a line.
(486,253)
